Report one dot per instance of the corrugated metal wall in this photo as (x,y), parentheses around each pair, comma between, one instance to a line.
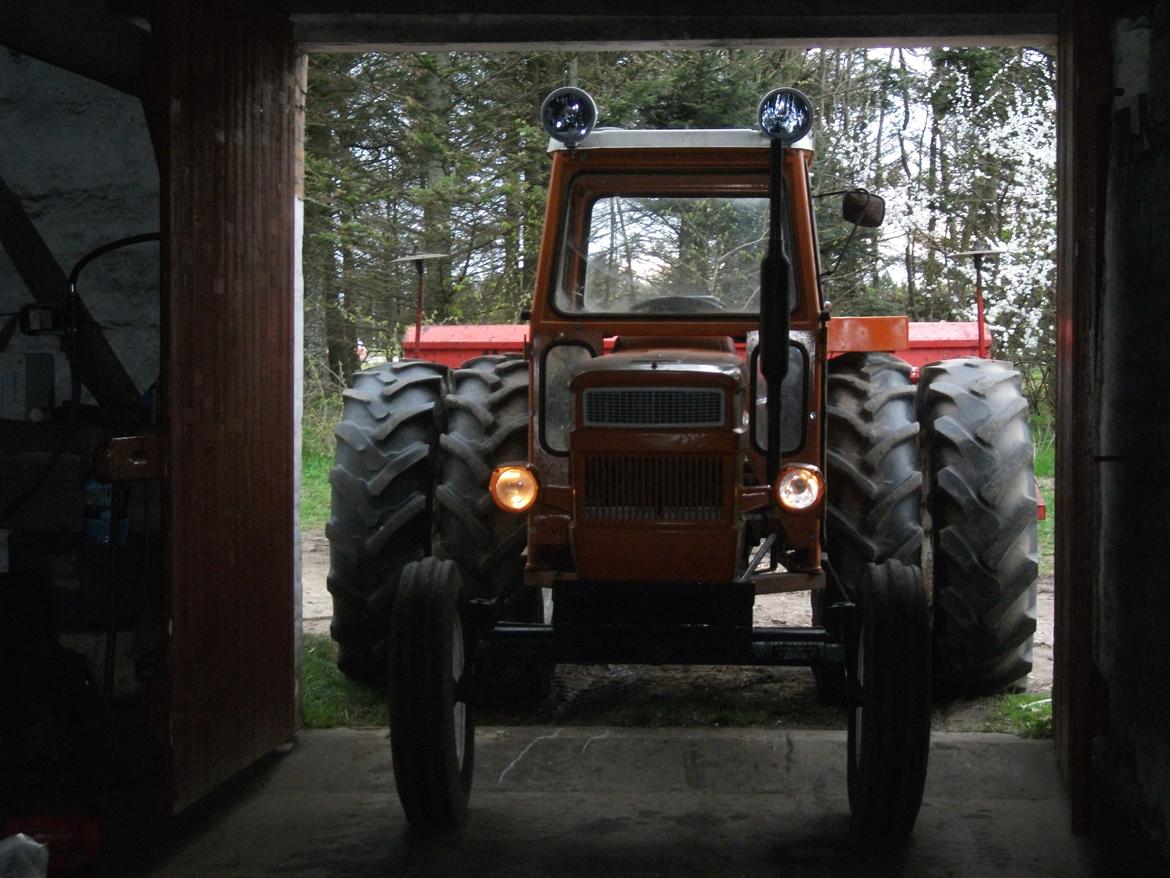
(226,81)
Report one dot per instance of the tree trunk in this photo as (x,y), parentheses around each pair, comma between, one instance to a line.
(340,340)
(437,211)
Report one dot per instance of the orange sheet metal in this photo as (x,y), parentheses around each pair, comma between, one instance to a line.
(868,334)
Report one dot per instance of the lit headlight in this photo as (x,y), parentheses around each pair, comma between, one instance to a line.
(799,488)
(514,487)
(786,115)
(568,115)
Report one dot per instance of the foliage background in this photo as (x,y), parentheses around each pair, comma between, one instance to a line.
(443,152)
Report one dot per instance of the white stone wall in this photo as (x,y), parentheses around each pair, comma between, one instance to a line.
(79,156)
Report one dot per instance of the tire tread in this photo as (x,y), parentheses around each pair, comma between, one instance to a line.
(982,505)
(382,498)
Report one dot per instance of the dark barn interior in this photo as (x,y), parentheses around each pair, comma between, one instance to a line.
(174,363)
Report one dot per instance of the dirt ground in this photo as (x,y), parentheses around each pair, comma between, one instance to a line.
(660,696)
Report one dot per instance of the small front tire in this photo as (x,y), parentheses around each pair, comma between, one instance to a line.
(889,721)
(432,718)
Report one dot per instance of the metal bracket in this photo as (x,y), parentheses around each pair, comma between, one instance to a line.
(128,459)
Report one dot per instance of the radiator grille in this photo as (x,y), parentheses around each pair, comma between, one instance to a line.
(654,488)
(653,407)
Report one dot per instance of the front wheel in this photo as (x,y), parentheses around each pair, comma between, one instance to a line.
(889,722)
(432,721)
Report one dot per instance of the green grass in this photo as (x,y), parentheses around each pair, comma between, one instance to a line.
(315,467)
(1044,438)
(322,410)
(1046,529)
(1045,462)
(331,700)
(1027,714)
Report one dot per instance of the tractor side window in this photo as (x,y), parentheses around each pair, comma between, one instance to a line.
(556,417)
(793,399)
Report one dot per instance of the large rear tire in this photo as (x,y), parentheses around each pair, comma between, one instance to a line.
(382,499)
(487,425)
(432,718)
(889,723)
(981,498)
(874,483)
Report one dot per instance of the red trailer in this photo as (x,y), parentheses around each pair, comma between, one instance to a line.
(453,345)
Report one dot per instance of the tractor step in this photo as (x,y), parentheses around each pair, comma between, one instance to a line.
(697,645)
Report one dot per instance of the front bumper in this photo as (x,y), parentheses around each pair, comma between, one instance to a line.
(657,623)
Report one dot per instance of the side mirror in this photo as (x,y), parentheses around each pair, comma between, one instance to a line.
(863,208)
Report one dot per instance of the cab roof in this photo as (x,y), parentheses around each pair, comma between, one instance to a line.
(680,138)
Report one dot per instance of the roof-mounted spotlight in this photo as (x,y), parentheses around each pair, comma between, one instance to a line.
(786,115)
(568,114)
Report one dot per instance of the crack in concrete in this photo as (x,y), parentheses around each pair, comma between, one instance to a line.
(585,746)
(520,755)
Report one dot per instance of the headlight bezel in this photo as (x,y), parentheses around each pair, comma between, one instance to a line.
(505,477)
(807,475)
(553,107)
(781,103)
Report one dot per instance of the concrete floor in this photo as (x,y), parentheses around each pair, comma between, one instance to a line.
(621,802)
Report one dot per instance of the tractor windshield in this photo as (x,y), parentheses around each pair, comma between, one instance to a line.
(659,245)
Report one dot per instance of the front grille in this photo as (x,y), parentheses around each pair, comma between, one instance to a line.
(653,407)
(679,489)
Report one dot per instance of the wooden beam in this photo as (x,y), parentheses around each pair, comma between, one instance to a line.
(1084,108)
(352,25)
(82,36)
(100,369)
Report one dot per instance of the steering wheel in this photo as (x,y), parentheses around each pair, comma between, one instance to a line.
(679,305)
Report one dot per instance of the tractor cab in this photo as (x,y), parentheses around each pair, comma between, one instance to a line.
(650,433)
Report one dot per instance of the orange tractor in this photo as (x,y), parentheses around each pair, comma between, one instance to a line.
(711,451)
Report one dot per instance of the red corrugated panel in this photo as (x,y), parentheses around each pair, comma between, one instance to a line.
(947,334)
(454,345)
(930,342)
(226,84)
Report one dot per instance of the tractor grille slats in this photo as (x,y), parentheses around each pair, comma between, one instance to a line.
(654,407)
(680,489)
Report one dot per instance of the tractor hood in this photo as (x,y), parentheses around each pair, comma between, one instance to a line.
(672,366)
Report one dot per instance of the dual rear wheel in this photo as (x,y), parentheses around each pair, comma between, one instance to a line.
(955,453)
(414,537)
(415,449)
(958,449)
